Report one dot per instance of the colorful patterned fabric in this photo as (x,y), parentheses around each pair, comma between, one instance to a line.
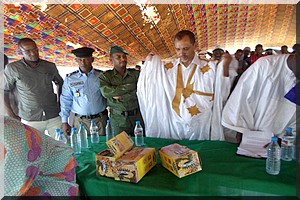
(35,164)
(61,27)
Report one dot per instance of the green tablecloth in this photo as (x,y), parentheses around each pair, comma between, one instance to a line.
(223,174)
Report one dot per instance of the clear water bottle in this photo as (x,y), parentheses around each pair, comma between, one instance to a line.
(62,138)
(94,131)
(57,133)
(273,157)
(294,150)
(75,141)
(138,133)
(83,137)
(109,131)
(287,145)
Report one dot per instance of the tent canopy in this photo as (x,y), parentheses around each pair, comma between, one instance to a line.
(59,28)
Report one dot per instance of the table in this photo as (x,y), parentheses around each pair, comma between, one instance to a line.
(223,174)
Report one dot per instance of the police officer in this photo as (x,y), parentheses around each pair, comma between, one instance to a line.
(81,94)
(119,86)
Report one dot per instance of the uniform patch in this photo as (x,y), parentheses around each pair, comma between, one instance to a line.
(76,83)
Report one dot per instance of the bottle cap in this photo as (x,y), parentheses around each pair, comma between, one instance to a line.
(137,122)
(274,139)
(61,132)
(92,120)
(57,130)
(81,124)
(109,120)
(288,129)
(74,129)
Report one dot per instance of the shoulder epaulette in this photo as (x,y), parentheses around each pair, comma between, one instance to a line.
(72,73)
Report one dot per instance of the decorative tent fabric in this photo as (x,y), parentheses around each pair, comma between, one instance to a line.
(100,26)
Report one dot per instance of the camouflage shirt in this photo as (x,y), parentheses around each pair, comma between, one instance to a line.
(113,84)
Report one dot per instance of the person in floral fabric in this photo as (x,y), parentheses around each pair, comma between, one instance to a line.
(36,164)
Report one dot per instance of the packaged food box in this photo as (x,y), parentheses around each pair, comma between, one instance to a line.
(120,144)
(134,164)
(122,162)
(105,162)
(180,160)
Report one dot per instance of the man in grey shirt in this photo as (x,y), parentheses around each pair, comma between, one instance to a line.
(32,77)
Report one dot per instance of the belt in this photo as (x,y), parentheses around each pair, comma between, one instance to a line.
(130,112)
(92,116)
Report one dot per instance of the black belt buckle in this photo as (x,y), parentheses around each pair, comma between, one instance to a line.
(124,113)
(129,113)
(87,116)
(94,116)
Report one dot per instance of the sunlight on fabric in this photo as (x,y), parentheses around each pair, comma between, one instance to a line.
(149,13)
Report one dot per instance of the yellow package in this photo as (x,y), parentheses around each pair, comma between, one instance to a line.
(105,162)
(180,160)
(133,165)
(120,144)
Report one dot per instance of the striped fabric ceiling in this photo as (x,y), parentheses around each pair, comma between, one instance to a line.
(60,27)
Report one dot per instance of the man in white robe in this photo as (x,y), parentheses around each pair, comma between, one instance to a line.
(222,91)
(258,101)
(176,98)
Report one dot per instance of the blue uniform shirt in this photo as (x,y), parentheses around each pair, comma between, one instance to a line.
(81,94)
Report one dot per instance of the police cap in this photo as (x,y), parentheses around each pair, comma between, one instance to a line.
(83,52)
(117,49)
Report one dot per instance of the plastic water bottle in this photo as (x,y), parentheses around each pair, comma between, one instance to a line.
(75,141)
(294,150)
(62,138)
(94,131)
(138,133)
(57,133)
(83,136)
(273,157)
(287,145)
(109,131)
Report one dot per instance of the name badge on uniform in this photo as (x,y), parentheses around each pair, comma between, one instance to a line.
(77,94)
(76,83)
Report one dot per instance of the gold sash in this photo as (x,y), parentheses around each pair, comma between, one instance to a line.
(186,92)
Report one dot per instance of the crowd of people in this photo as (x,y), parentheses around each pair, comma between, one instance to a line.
(192,97)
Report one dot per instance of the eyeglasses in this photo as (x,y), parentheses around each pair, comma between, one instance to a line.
(30,50)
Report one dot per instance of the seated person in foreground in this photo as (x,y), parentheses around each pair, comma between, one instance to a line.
(35,164)
(259,102)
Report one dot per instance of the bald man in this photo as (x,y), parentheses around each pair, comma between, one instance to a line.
(32,77)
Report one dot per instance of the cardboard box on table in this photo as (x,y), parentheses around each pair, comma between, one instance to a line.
(123,162)
(180,160)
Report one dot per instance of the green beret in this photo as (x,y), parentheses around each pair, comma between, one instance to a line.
(117,49)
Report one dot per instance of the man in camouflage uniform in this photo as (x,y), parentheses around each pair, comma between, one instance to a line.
(119,87)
